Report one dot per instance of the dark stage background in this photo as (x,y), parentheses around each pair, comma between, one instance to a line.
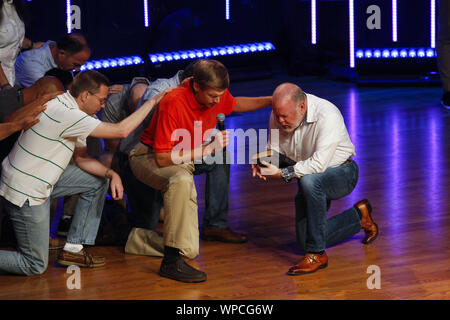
(116,28)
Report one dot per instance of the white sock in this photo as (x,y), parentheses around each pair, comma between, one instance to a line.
(75,248)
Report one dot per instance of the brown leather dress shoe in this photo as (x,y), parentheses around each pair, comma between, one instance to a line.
(82,259)
(367,223)
(309,264)
(222,235)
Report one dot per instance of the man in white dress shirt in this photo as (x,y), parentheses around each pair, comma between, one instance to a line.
(312,133)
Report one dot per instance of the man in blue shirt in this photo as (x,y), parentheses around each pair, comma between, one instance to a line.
(69,53)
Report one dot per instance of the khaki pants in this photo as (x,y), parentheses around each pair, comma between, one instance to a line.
(180,198)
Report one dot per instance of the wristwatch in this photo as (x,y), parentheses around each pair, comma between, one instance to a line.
(288,173)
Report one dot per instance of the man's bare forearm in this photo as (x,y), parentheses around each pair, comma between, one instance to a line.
(246,104)
(130,123)
(6,129)
(122,129)
(181,156)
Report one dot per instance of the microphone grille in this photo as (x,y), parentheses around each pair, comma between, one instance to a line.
(220,117)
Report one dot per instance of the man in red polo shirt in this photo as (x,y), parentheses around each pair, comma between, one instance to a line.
(188,112)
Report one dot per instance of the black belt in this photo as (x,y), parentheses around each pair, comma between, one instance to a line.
(146,144)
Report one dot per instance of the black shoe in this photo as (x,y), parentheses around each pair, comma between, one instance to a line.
(64,226)
(446,100)
(223,235)
(181,271)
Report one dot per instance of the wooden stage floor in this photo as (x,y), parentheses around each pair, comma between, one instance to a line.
(402,140)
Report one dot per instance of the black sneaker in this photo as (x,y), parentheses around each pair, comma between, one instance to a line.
(446,100)
(181,271)
(64,226)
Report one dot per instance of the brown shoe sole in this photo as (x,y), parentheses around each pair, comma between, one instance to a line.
(55,247)
(181,279)
(72,263)
(302,273)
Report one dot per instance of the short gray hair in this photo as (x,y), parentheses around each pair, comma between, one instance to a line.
(298,95)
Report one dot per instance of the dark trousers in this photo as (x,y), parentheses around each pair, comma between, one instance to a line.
(315,192)
(144,201)
(216,194)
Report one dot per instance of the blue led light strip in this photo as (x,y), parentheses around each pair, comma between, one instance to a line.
(313,22)
(433,24)
(112,63)
(211,52)
(394,20)
(394,53)
(351,31)
(69,16)
(146,24)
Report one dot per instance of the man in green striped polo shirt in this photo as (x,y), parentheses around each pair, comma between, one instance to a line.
(37,169)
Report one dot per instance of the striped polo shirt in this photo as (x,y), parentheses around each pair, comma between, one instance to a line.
(42,153)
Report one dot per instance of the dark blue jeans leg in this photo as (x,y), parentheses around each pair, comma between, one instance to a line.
(216,193)
(315,191)
(144,201)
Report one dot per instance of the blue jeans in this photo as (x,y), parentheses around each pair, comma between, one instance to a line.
(32,223)
(315,192)
(216,194)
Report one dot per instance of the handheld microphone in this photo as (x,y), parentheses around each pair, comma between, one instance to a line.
(221,126)
(221,121)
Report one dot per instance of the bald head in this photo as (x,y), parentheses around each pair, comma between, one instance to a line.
(49,84)
(42,86)
(289,106)
(287,92)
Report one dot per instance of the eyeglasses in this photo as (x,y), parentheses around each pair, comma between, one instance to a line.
(101,100)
